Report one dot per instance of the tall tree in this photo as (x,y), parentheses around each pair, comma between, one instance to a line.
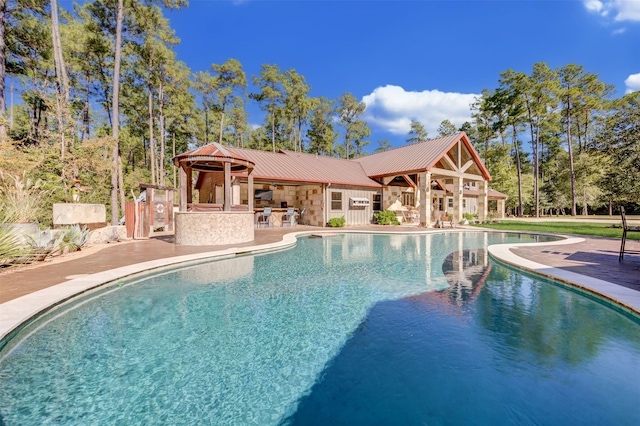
(297,103)
(569,93)
(356,130)
(538,102)
(417,132)
(271,95)
(115,114)
(321,133)
(229,79)
(204,84)
(446,128)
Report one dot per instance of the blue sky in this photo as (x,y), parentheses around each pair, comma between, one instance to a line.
(419,59)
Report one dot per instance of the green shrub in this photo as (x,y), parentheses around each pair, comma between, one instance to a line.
(386,217)
(337,222)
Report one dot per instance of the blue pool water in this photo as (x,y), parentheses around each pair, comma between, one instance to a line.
(352,329)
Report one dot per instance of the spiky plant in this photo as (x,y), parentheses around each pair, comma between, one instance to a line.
(12,244)
(74,238)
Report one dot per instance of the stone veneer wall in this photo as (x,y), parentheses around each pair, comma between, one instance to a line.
(92,215)
(311,197)
(213,228)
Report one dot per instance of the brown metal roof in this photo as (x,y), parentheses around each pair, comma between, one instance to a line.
(290,166)
(421,156)
(211,156)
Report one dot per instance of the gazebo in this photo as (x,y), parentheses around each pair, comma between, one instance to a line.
(207,223)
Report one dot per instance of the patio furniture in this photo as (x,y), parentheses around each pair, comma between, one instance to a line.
(264,220)
(301,219)
(289,218)
(626,228)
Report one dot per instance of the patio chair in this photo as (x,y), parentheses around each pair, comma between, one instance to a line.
(289,218)
(264,220)
(301,218)
(626,228)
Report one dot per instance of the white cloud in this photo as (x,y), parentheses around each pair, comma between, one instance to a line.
(633,83)
(594,6)
(620,10)
(392,109)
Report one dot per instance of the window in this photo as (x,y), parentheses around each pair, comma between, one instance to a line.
(377,202)
(407,198)
(450,202)
(464,203)
(336,200)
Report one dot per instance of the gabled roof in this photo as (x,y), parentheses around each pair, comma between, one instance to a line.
(418,157)
(290,166)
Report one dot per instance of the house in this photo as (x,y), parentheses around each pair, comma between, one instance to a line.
(446,171)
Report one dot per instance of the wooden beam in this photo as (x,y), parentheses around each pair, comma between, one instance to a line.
(450,173)
(448,161)
(466,166)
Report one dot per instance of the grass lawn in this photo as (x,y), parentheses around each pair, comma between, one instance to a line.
(579,228)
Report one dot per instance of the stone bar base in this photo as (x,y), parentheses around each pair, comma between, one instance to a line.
(213,228)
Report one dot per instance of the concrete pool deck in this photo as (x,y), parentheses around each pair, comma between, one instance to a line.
(590,263)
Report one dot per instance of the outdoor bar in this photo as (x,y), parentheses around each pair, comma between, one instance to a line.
(206,223)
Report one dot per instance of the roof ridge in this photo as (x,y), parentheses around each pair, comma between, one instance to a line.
(457,134)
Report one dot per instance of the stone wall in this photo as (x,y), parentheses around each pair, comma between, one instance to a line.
(213,228)
(92,215)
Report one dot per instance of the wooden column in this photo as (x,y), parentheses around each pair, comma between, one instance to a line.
(189,185)
(227,187)
(182,176)
(250,199)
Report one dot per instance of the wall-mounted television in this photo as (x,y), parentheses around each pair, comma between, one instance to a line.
(264,194)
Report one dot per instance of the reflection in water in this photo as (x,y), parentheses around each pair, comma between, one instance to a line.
(466,272)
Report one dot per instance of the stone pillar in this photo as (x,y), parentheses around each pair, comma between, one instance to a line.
(424,198)
(483,201)
(457,199)
(501,208)
(189,185)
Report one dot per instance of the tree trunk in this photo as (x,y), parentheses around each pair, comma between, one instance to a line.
(62,82)
(3,70)
(572,174)
(221,126)
(162,136)
(152,142)
(519,170)
(115,121)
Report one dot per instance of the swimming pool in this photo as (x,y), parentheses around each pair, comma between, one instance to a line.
(352,329)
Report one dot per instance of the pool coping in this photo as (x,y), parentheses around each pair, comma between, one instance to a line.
(15,313)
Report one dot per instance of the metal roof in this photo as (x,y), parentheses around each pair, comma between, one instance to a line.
(291,166)
(211,156)
(417,157)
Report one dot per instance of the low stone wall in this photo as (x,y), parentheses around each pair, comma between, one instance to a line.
(92,215)
(213,228)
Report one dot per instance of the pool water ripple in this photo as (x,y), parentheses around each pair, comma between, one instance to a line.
(382,329)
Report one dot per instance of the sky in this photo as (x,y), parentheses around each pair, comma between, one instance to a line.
(418,59)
